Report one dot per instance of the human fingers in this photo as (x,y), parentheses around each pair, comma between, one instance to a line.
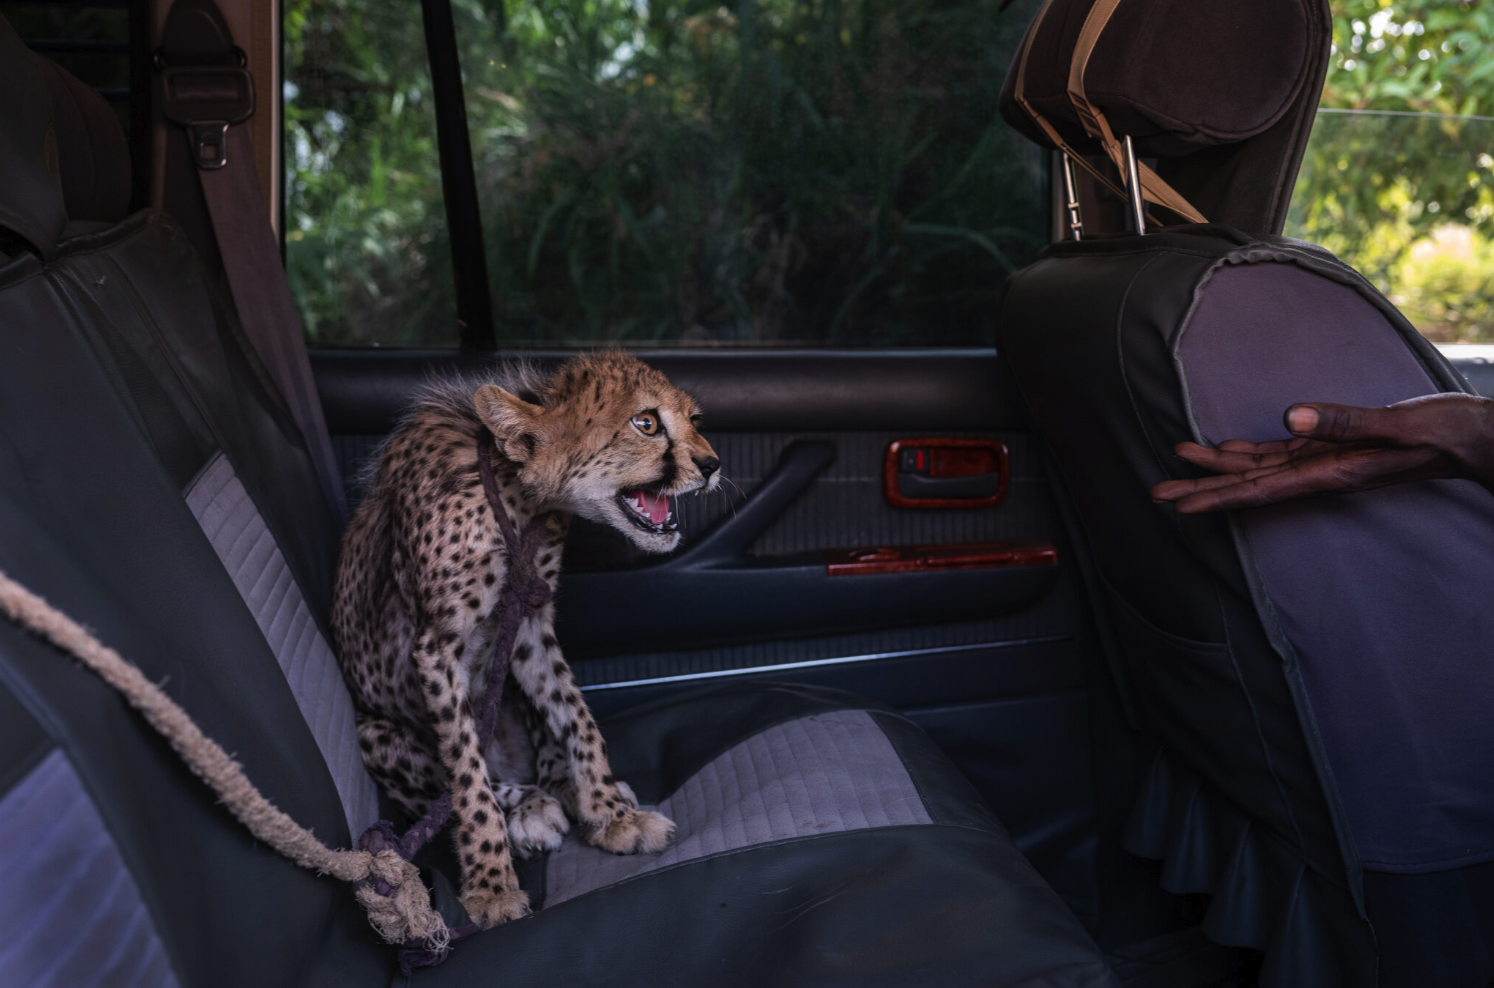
(1332,422)
(1173,490)
(1236,460)
(1273,446)
(1242,492)
(1331,468)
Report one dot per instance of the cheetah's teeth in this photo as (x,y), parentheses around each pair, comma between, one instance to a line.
(652,512)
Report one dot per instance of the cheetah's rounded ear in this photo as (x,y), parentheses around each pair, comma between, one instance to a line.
(515,423)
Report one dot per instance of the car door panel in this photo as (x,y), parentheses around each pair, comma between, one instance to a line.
(753,563)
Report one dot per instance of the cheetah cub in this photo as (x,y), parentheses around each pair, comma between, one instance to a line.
(414,613)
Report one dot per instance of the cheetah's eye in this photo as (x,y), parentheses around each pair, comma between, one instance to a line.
(646,422)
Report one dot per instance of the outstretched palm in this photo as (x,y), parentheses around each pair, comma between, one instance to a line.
(1342,448)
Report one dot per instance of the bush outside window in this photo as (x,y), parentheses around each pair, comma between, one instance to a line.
(657,172)
(366,247)
(1399,174)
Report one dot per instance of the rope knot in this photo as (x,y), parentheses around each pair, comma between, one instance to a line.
(528,588)
(404,912)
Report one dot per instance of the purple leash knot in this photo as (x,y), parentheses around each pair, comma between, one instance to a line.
(524,592)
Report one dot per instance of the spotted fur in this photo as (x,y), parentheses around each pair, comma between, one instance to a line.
(414,612)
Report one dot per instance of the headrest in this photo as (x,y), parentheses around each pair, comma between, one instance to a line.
(1175,75)
(1179,77)
(31,200)
(92,153)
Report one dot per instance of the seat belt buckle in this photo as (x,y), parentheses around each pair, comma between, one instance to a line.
(209,139)
(207,100)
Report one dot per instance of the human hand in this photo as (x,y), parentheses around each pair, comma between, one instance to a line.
(1342,448)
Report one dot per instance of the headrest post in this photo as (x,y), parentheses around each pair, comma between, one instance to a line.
(1071,197)
(1133,186)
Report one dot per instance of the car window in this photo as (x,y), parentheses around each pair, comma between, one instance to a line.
(665,172)
(366,247)
(1399,173)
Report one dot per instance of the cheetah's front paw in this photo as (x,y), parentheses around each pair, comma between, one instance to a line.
(537,824)
(489,907)
(633,832)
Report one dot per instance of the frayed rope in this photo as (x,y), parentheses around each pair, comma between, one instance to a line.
(387,886)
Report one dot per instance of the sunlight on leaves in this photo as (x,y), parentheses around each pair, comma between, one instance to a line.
(1399,174)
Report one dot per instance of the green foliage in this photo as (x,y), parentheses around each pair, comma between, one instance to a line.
(1445,285)
(366,247)
(1424,56)
(1408,196)
(784,170)
(669,170)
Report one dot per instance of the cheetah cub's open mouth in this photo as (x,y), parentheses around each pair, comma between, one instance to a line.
(649,511)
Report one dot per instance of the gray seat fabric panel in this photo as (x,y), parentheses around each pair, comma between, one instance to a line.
(822,774)
(248,550)
(71,911)
(1383,594)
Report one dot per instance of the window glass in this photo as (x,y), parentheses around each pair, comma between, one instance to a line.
(1399,173)
(757,172)
(366,247)
(1409,201)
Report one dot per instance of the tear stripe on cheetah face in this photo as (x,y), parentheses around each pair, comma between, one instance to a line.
(414,611)
(577,447)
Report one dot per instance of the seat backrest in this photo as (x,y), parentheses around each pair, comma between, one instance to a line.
(1312,672)
(153,486)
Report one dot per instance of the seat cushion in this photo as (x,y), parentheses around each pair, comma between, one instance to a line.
(822,840)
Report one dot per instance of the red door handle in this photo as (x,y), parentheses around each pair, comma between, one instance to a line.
(945,472)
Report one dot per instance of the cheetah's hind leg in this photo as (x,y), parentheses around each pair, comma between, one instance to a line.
(400,764)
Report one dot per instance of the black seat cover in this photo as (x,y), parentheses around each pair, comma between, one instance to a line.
(822,839)
(1235,803)
(1313,673)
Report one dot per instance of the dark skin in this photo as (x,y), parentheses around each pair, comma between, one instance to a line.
(1340,448)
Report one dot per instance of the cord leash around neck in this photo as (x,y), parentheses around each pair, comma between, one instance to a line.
(524,591)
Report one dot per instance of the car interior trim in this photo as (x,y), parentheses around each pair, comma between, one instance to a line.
(927,558)
(813,663)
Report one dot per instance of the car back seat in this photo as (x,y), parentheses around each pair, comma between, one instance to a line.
(153,487)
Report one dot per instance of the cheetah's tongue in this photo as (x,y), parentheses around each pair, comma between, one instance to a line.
(656,506)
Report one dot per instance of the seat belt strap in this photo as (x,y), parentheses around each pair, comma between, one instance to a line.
(210,93)
(1019,92)
(1153,187)
(251,258)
